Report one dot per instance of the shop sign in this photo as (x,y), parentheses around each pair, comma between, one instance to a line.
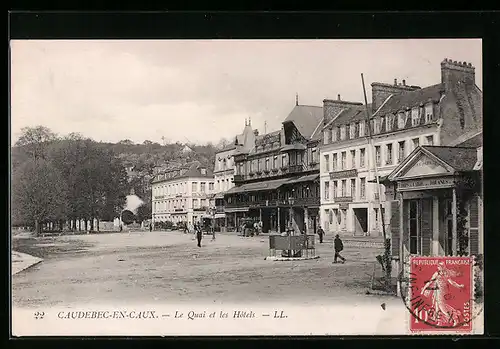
(426,183)
(344,174)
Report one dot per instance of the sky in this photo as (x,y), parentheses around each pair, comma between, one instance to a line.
(200,91)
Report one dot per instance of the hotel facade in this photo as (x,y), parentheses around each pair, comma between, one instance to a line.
(182,194)
(404,119)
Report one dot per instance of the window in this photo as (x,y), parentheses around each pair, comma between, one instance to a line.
(382,123)
(242,170)
(356,129)
(267,165)
(342,133)
(335,188)
(414,117)
(362,157)
(401,120)
(353,188)
(203,202)
(352,131)
(377,155)
(284,160)
(327,163)
(335,132)
(334,167)
(195,203)
(326,136)
(388,122)
(344,188)
(258,164)
(430,140)
(314,155)
(202,187)
(327,190)
(353,158)
(413,226)
(416,142)
(194,187)
(428,113)
(362,128)
(401,151)
(211,186)
(343,160)
(330,216)
(388,152)
(348,131)
(375,213)
(275,162)
(362,188)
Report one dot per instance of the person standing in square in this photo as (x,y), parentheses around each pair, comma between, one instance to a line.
(338,246)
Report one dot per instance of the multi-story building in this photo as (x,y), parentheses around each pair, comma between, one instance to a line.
(403,117)
(224,169)
(277,180)
(182,194)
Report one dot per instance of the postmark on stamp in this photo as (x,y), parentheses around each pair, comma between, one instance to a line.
(440,295)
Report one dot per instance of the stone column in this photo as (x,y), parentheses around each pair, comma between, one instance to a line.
(306,220)
(435,226)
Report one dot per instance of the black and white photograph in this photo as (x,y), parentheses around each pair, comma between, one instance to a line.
(246,187)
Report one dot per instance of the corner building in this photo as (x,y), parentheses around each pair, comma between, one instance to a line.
(404,117)
(277,181)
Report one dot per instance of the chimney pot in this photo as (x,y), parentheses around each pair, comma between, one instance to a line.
(404,82)
(395,82)
(338,97)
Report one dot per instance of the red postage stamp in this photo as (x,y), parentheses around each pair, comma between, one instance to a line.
(441,294)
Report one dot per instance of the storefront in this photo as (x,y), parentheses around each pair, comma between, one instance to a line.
(436,203)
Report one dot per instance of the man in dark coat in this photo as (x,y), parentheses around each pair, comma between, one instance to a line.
(321,233)
(199,234)
(338,246)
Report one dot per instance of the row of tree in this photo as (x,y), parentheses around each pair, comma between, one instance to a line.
(65,179)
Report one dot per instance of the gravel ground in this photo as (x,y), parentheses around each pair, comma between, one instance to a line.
(158,267)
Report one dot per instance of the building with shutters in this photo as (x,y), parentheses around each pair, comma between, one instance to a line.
(182,194)
(436,201)
(224,170)
(276,182)
(403,118)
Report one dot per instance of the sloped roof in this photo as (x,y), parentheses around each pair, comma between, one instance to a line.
(411,99)
(460,158)
(228,147)
(475,141)
(306,118)
(351,114)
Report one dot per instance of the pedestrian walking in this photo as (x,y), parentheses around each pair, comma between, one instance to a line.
(321,233)
(150,227)
(338,246)
(199,235)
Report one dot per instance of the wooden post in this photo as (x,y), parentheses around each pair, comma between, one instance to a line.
(454,223)
(279,221)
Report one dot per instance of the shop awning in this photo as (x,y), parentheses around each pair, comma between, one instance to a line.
(307,178)
(219,196)
(220,215)
(236,209)
(258,186)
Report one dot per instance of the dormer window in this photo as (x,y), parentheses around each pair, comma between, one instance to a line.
(334,134)
(415,120)
(428,113)
(362,128)
(388,122)
(326,136)
(348,131)
(352,131)
(401,120)
(342,133)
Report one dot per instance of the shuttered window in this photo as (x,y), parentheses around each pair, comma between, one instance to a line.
(426,226)
(395,227)
(474,226)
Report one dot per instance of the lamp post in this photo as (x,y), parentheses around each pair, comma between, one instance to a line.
(291,200)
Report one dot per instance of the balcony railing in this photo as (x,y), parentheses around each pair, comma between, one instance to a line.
(296,168)
(238,178)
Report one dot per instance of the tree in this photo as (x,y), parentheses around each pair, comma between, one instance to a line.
(128,217)
(144,212)
(38,193)
(35,141)
(126,142)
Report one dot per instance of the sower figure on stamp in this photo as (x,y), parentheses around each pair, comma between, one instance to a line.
(436,288)
(338,246)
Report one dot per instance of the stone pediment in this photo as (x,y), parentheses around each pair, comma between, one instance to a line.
(424,166)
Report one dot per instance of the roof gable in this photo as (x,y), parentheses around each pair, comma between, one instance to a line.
(424,165)
(306,119)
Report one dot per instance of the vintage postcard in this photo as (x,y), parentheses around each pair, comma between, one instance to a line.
(246,187)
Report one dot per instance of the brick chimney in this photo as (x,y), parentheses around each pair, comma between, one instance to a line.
(381,91)
(453,73)
(332,107)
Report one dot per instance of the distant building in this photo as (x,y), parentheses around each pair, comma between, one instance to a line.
(186,149)
(224,169)
(182,194)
